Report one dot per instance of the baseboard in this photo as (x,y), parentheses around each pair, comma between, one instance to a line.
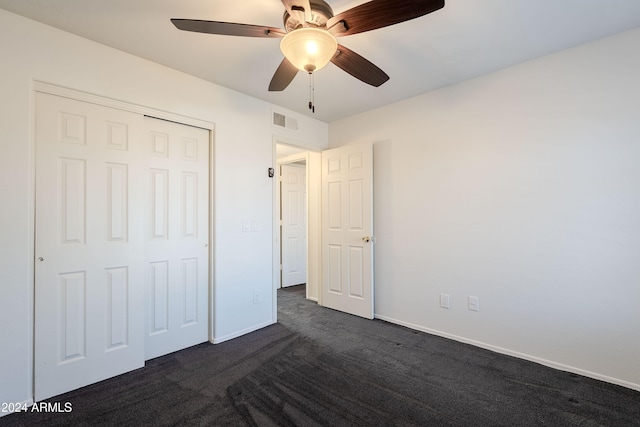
(218,340)
(19,405)
(541,361)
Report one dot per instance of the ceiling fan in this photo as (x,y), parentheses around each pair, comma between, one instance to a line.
(310,31)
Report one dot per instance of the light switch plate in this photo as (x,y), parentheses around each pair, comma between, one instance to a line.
(474,303)
(445,300)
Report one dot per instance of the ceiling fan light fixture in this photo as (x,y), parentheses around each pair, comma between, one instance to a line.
(309,49)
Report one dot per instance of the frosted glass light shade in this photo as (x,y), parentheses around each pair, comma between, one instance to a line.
(309,49)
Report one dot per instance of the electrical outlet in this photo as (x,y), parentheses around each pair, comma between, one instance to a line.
(474,303)
(445,300)
(256,298)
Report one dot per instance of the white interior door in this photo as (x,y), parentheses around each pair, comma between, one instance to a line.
(177,236)
(89,245)
(347,229)
(293,195)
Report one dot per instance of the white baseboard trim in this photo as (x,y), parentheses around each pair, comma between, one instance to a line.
(541,361)
(218,340)
(19,406)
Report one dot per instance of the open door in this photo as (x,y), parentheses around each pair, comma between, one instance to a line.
(347,229)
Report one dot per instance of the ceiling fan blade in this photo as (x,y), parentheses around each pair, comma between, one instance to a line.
(227,28)
(299,9)
(381,13)
(359,67)
(283,76)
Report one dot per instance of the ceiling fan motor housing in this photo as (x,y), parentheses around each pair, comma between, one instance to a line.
(321,12)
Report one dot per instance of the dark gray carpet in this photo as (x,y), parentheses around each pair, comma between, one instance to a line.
(318,367)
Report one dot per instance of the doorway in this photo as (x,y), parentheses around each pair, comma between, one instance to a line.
(347,281)
(287,153)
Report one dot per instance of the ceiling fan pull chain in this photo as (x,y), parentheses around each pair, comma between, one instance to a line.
(310,101)
(312,107)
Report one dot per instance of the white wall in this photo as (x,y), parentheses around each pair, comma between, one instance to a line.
(521,187)
(243,152)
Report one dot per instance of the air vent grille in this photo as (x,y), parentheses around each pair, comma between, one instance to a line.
(285,122)
(279,119)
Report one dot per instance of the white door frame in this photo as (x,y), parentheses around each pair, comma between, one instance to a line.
(52,89)
(312,169)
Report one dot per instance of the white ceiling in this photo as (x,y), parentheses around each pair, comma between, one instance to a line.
(467,38)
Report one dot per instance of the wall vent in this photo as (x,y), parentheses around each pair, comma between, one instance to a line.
(284,121)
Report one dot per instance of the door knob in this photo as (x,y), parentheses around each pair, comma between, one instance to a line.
(40,259)
(366,239)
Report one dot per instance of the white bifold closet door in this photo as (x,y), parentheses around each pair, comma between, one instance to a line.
(121,241)
(89,248)
(176,254)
